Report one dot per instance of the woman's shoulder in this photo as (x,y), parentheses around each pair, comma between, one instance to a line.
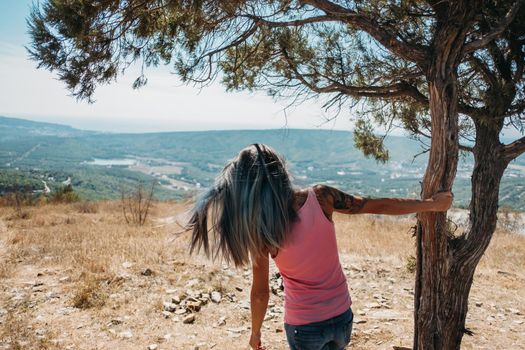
(322,193)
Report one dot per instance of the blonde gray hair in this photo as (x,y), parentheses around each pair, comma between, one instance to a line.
(250,208)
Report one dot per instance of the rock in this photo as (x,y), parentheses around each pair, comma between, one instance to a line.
(153,347)
(373,305)
(216,297)
(127,264)
(189,319)
(171,291)
(222,321)
(385,315)
(237,330)
(180,311)
(194,306)
(359,321)
(513,311)
(126,334)
(64,279)
(147,272)
(244,305)
(192,282)
(52,295)
(239,289)
(166,314)
(171,307)
(115,322)
(479,304)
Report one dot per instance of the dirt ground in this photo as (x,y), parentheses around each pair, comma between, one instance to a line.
(77,276)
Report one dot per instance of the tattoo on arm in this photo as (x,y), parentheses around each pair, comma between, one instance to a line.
(345,202)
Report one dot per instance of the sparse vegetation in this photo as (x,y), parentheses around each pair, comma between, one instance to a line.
(87,207)
(136,204)
(410,264)
(16,333)
(64,194)
(95,265)
(89,294)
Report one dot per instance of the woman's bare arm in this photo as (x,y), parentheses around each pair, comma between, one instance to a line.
(259,296)
(350,204)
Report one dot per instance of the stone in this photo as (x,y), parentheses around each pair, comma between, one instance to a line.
(126,334)
(194,306)
(115,322)
(244,305)
(127,264)
(166,314)
(147,272)
(180,311)
(222,321)
(175,299)
(373,305)
(171,307)
(192,282)
(479,304)
(385,315)
(216,297)
(514,311)
(153,347)
(189,319)
(237,330)
(359,321)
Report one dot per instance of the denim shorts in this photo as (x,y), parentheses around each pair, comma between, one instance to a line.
(332,334)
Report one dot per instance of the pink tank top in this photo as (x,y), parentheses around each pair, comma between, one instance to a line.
(315,287)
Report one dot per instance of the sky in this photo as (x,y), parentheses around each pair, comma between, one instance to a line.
(163,105)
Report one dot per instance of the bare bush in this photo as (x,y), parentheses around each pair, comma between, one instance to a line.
(137,204)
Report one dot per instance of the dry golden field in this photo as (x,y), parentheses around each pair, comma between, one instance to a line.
(76,276)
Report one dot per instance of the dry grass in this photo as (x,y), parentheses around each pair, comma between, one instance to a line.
(64,234)
(87,207)
(104,257)
(90,293)
(17,334)
(365,235)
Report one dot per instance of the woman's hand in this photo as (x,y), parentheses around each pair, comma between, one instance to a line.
(442,201)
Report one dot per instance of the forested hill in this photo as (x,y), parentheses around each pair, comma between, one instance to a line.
(99,164)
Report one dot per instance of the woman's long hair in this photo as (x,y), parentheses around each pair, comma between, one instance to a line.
(250,207)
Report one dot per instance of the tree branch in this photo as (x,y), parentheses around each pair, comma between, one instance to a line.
(380,32)
(402,89)
(295,23)
(514,150)
(496,32)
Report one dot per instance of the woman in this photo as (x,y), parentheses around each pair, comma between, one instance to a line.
(255,214)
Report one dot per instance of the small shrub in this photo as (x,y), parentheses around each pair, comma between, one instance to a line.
(410,264)
(89,294)
(65,194)
(137,204)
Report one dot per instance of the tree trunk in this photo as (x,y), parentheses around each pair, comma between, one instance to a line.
(441,289)
(436,313)
(445,263)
